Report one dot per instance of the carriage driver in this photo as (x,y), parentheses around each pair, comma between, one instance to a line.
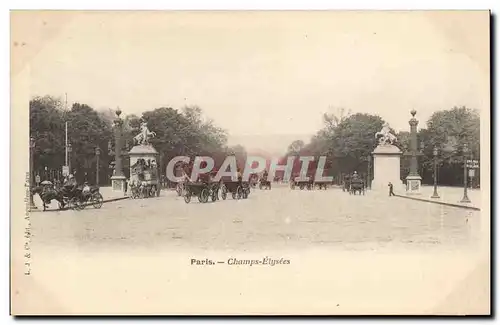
(264,175)
(240,176)
(70,185)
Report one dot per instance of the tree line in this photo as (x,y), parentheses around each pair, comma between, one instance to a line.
(347,141)
(184,131)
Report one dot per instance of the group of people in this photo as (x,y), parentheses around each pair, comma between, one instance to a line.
(70,185)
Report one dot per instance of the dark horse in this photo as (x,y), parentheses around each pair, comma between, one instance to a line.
(48,195)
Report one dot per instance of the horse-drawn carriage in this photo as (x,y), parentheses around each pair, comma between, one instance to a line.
(354,184)
(144,181)
(264,184)
(322,184)
(238,189)
(76,199)
(202,190)
(302,184)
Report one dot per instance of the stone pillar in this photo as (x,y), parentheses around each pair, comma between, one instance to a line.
(413,180)
(118,179)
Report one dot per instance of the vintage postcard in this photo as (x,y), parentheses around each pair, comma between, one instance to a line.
(250,163)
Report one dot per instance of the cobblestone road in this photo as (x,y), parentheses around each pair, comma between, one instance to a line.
(280,218)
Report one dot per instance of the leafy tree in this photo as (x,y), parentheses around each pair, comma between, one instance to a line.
(295,147)
(47,129)
(86,131)
(448,130)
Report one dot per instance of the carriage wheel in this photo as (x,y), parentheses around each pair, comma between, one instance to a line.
(239,192)
(187,196)
(223,192)
(74,204)
(301,186)
(80,203)
(214,194)
(204,195)
(97,200)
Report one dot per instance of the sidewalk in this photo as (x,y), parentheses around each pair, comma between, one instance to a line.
(448,196)
(109,195)
(106,191)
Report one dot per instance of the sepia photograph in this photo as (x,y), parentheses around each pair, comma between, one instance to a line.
(250,163)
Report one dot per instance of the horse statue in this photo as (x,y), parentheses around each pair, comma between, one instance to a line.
(385,136)
(144,135)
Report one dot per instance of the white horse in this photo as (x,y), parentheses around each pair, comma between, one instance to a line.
(386,137)
(144,135)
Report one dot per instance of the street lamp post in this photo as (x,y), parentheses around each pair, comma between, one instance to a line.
(70,149)
(465,199)
(369,172)
(118,179)
(435,195)
(32,147)
(97,154)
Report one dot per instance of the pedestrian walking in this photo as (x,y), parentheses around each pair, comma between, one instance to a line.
(391,189)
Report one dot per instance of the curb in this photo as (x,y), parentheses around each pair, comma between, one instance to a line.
(441,203)
(115,199)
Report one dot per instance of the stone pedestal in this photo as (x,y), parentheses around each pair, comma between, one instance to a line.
(118,183)
(386,168)
(413,183)
(148,153)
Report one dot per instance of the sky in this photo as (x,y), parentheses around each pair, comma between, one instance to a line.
(266,77)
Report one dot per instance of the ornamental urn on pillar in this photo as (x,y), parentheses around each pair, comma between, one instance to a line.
(118,179)
(413,180)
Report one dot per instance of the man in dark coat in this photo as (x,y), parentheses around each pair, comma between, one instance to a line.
(391,189)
